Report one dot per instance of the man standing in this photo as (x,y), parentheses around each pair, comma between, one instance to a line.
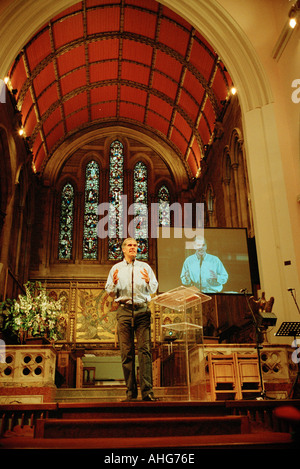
(132,282)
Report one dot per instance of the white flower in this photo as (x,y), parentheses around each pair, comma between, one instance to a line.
(18,321)
(36,312)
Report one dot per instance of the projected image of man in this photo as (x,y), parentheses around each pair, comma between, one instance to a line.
(203,270)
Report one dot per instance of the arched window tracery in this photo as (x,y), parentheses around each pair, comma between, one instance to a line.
(66,222)
(140,194)
(164,200)
(116,188)
(91,201)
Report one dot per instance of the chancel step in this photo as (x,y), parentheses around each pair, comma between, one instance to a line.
(182,424)
(140,427)
(115,394)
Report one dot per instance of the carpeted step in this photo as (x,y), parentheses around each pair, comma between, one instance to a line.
(140,427)
(140,409)
(114,394)
(145,447)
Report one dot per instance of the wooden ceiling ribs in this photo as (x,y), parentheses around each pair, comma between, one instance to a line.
(124,61)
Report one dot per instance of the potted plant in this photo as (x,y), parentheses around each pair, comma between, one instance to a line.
(34,314)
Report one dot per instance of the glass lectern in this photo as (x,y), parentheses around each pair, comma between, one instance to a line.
(182,330)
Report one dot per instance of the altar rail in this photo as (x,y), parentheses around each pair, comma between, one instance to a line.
(27,374)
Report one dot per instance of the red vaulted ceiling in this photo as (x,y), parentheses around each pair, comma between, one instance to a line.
(120,61)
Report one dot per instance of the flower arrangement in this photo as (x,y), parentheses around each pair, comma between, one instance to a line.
(34,313)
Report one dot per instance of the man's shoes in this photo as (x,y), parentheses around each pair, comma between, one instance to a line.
(150,397)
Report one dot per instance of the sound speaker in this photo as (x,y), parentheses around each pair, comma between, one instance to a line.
(267,319)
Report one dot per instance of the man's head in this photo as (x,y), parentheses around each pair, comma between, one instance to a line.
(200,245)
(129,248)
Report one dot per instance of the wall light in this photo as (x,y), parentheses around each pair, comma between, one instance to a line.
(287,31)
(233,90)
(293,13)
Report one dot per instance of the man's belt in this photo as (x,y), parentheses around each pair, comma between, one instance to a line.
(136,306)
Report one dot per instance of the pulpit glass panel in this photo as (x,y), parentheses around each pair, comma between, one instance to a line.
(180,336)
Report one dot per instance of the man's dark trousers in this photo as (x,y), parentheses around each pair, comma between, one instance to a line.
(142,331)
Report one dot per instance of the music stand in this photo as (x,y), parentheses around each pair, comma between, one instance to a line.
(290,329)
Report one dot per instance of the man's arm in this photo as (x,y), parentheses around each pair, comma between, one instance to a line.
(112,281)
(222,275)
(185,274)
(150,279)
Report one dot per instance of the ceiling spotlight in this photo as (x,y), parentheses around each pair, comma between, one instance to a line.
(6,79)
(233,90)
(289,26)
(33,167)
(21,131)
(293,14)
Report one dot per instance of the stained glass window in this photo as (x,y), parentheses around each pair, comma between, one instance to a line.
(116,183)
(66,222)
(164,206)
(90,239)
(140,191)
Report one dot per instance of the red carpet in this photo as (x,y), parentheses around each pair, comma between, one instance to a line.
(172,425)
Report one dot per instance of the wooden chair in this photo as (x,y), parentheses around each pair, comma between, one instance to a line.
(224,377)
(89,373)
(248,372)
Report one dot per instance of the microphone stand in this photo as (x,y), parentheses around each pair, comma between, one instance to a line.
(295,385)
(293,296)
(258,347)
(134,386)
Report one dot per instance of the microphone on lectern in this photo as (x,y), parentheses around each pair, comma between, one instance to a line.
(244,290)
